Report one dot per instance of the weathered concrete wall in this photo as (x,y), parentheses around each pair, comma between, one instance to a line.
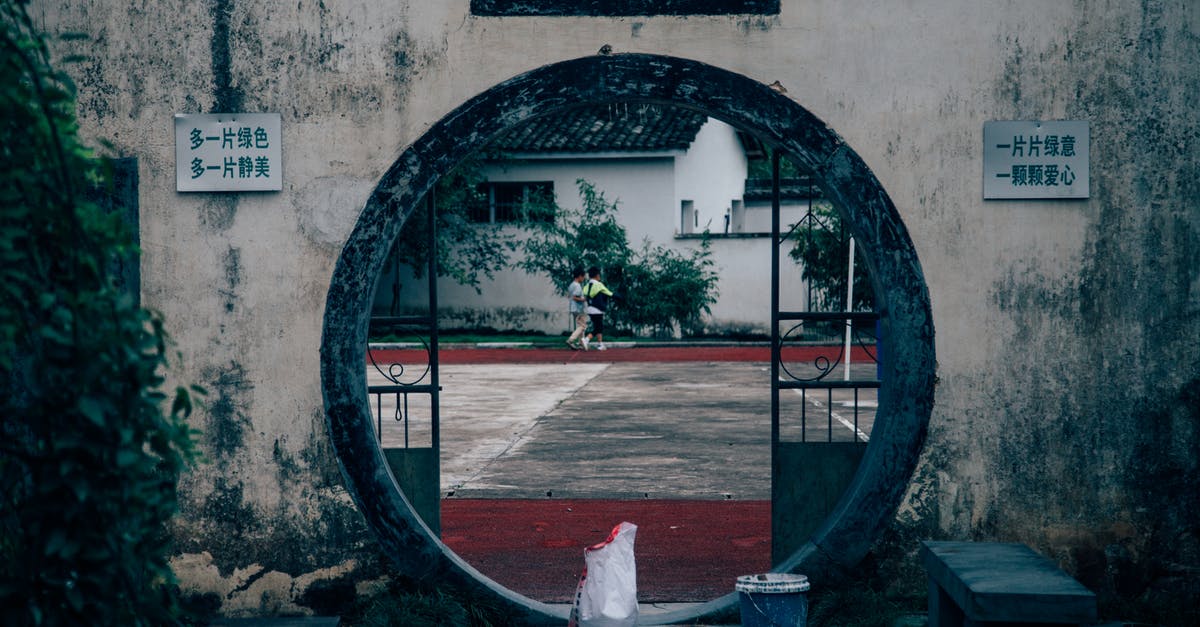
(1068,333)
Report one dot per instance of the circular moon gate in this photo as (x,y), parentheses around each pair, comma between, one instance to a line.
(906,396)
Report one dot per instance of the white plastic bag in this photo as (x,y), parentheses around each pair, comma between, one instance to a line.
(607,592)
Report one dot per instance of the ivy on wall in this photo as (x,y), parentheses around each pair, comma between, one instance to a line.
(90,454)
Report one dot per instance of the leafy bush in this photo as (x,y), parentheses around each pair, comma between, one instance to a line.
(89,460)
(586,238)
(821,246)
(403,604)
(668,289)
(859,607)
(467,251)
(658,289)
(415,610)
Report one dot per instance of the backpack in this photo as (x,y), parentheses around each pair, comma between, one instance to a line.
(599,300)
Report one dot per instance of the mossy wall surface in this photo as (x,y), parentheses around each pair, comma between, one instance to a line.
(1067,332)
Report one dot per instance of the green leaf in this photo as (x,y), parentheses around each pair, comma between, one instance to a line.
(127,457)
(93,410)
(55,542)
(71,591)
(94,484)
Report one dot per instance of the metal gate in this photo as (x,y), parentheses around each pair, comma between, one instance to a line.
(405,389)
(815,446)
(820,424)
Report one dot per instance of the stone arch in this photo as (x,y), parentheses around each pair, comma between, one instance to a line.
(905,400)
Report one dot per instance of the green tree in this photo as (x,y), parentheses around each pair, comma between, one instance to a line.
(659,289)
(467,251)
(579,239)
(672,290)
(821,246)
(89,455)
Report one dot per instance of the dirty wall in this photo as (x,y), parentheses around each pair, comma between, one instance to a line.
(1067,332)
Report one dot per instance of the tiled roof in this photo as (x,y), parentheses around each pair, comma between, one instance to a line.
(606,128)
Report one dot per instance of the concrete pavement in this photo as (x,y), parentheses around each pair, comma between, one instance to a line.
(532,439)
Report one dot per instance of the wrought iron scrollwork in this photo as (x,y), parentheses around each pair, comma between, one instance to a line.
(823,346)
(828,355)
(821,363)
(395,371)
(400,382)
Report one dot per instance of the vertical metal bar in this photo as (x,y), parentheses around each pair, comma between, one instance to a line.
(395,308)
(379,415)
(775,340)
(404,417)
(856,413)
(435,394)
(829,413)
(808,246)
(849,305)
(803,415)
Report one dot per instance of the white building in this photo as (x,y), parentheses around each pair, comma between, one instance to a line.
(674,175)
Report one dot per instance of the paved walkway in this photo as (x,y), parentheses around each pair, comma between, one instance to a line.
(543,451)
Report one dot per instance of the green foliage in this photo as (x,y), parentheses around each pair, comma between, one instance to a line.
(672,289)
(859,607)
(89,460)
(580,239)
(658,289)
(416,610)
(405,606)
(821,245)
(761,168)
(466,250)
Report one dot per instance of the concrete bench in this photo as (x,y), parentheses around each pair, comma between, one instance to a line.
(984,583)
(300,621)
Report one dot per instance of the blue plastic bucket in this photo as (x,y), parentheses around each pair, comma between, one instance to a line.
(773,600)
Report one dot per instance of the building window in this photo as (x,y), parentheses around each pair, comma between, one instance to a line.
(514,202)
(687,217)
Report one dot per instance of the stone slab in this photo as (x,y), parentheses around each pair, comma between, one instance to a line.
(295,621)
(994,582)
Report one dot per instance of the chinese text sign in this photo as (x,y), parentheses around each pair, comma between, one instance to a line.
(228,152)
(1032,159)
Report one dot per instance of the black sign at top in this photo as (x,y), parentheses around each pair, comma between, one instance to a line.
(622,8)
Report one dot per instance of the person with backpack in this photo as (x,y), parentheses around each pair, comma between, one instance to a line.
(597,297)
(576,304)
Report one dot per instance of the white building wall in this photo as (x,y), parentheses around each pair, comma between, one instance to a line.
(647,191)
(743,265)
(518,301)
(643,187)
(712,174)
(757,218)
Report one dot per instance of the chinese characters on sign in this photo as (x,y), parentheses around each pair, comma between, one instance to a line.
(1035,159)
(228,152)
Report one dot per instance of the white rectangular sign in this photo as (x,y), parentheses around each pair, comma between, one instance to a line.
(228,152)
(1035,159)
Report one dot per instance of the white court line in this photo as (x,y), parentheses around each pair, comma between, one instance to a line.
(836,416)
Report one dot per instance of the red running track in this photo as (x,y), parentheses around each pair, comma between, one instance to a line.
(686,550)
(791,354)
